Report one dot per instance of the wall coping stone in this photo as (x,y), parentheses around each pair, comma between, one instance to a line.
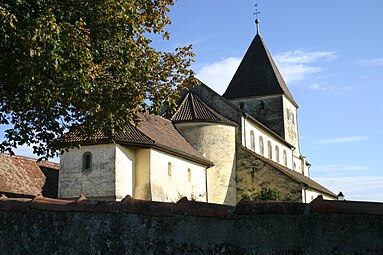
(192,208)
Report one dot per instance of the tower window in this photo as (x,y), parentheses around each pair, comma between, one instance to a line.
(252,140)
(269,150)
(261,148)
(284,157)
(87,161)
(262,105)
(189,175)
(170,169)
(277,153)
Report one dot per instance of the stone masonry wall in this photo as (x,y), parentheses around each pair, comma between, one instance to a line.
(43,226)
(253,174)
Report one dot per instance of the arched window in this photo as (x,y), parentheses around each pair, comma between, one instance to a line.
(261,148)
(284,157)
(189,175)
(269,150)
(87,161)
(170,169)
(295,166)
(277,153)
(252,140)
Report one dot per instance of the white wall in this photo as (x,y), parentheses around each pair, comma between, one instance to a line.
(248,126)
(97,182)
(172,188)
(217,142)
(310,194)
(125,171)
(142,177)
(291,124)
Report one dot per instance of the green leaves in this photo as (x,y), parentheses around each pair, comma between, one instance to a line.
(70,65)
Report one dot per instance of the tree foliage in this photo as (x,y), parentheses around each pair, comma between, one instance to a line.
(77,63)
(265,194)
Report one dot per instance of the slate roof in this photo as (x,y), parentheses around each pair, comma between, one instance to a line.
(295,175)
(152,131)
(192,108)
(22,175)
(257,75)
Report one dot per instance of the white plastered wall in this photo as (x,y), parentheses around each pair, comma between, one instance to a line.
(309,195)
(97,182)
(170,188)
(249,126)
(125,171)
(110,177)
(217,142)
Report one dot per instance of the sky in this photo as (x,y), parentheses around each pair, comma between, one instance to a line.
(331,56)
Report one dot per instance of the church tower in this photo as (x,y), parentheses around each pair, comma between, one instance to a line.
(259,90)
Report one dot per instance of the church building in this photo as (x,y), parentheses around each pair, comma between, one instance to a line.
(213,148)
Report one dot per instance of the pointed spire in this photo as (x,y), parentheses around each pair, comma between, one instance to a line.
(257,75)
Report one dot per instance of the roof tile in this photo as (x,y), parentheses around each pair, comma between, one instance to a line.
(192,108)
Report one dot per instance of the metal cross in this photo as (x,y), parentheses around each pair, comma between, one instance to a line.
(256,17)
(256,12)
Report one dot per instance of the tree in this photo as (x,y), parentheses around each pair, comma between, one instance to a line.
(265,194)
(83,65)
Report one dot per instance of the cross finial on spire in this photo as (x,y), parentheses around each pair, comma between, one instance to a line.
(256,17)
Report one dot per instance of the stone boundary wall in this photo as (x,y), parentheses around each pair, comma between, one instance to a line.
(51,226)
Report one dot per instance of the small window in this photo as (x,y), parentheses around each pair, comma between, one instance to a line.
(170,169)
(269,150)
(277,153)
(293,118)
(189,175)
(87,161)
(261,148)
(262,105)
(252,140)
(284,157)
(295,166)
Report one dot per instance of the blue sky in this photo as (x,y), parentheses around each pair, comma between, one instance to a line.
(331,56)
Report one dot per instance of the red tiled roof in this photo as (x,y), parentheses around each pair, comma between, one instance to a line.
(192,108)
(164,134)
(20,175)
(133,135)
(152,131)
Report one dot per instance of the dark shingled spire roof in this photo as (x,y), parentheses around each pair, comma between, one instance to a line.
(257,75)
(192,108)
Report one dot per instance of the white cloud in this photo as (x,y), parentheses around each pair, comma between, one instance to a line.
(296,65)
(302,57)
(364,188)
(219,74)
(347,139)
(330,88)
(318,87)
(337,168)
(296,72)
(371,62)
